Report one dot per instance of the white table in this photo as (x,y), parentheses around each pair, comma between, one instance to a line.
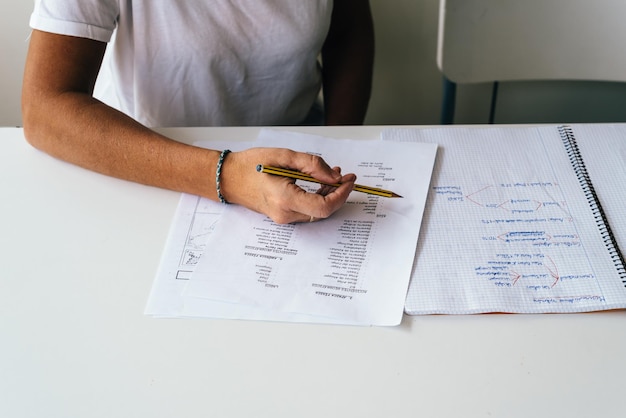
(78,255)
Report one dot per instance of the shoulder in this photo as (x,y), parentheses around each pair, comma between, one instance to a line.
(93,19)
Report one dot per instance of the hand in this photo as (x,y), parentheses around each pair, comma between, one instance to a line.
(279,197)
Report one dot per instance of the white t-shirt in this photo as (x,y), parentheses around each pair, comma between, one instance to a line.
(201,62)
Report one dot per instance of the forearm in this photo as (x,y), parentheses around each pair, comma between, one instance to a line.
(87,133)
(62,118)
(79,129)
(347,59)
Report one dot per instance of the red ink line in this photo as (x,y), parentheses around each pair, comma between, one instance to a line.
(471,194)
(554,273)
(517,276)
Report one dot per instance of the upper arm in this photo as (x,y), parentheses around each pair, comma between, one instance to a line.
(57,64)
(347,63)
(350,16)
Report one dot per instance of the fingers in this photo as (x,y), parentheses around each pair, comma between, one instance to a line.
(322,204)
(325,189)
(280,198)
(313,165)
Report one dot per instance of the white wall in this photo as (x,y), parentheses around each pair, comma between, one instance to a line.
(13,43)
(407,83)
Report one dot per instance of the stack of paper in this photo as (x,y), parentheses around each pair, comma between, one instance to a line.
(225,261)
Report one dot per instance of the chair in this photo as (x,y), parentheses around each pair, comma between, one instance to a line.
(517,40)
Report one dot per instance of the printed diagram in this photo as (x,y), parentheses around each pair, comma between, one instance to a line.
(192,257)
(201,225)
(200,228)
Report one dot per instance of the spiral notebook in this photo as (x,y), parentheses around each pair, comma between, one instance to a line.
(521,220)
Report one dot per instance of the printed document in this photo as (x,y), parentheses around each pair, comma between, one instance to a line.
(352,268)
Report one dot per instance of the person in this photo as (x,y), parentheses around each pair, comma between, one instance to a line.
(100,75)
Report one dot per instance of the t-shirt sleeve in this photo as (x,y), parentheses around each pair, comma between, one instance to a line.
(93,19)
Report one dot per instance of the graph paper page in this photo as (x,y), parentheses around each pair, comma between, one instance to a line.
(604,151)
(507,228)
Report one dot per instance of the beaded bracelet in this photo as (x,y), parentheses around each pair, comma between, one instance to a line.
(218,173)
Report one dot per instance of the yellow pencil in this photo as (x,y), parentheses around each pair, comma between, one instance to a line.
(283,172)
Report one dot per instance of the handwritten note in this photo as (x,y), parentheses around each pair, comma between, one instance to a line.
(508,227)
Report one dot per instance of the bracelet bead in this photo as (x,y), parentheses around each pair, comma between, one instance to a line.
(218,175)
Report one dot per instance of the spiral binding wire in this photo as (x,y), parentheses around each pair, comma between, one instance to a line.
(575,157)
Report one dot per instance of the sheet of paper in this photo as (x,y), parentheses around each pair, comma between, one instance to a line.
(604,151)
(351,268)
(193,222)
(507,227)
